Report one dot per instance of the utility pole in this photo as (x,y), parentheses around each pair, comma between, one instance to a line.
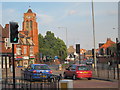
(66,34)
(95,62)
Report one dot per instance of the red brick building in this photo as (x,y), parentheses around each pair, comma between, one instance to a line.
(5,46)
(27,48)
(104,49)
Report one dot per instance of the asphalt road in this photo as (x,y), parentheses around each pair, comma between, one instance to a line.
(84,83)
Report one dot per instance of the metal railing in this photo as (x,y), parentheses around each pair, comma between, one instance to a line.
(29,83)
(106,71)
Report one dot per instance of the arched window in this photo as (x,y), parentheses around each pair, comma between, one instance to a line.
(30,25)
(27,25)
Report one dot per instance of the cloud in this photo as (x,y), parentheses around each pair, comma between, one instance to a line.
(106,12)
(11,11)
(9,15)
(72,12)
(45,19)
(112,13)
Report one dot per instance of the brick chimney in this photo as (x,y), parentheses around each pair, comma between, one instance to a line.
(108,39)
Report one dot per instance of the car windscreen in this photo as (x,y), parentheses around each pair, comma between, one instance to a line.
(41,67)
(83,68)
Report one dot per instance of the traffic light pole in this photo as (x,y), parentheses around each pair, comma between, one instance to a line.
(13,66)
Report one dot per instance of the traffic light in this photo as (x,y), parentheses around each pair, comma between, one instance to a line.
(77,48)
(93,53)
(14,32)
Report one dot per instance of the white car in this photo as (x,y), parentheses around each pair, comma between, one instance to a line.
(66,62)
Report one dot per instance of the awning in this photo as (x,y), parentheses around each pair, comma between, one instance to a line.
(19,58)
(32,57)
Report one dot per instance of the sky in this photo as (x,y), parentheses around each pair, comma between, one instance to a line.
(75,18)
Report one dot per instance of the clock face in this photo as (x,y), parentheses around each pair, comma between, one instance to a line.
(28,17)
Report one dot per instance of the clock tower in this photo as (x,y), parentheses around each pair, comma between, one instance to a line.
(31,27)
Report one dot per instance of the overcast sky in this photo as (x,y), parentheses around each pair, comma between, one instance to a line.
(76,17)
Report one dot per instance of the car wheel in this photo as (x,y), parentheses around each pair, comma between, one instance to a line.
(74,77)
(51,80)
(89,78)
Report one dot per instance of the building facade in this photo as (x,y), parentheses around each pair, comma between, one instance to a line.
(5,47)
(105,48)
(27,48)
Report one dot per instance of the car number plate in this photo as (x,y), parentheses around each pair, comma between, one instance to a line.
(85,72)
(43,76)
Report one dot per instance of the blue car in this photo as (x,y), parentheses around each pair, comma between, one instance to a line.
(38,72)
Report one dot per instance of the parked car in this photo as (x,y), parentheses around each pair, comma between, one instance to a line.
(66,62)
(89,62)
(78,71)
(38,72)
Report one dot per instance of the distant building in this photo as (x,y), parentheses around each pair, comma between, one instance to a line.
(104,49)
(70,50)
(82,51)
(100,44)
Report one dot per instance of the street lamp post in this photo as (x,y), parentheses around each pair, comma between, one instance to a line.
(66,34)
(95,62)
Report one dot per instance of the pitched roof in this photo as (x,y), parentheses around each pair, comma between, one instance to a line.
(5,31)
(29,11)
(108,43)
(1,28)
(71,49)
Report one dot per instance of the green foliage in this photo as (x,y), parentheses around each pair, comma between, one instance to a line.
(49,45)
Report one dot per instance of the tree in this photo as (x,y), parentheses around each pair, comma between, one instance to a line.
(51,46)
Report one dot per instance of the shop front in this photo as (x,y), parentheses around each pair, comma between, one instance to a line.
(26,61)
(19,61)
(32,59)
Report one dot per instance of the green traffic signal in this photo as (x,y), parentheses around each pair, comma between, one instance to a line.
(14,32)
(15,39)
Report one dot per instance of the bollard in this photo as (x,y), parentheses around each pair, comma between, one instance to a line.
(119,65)
(11,68)
(92,65)
(66,84)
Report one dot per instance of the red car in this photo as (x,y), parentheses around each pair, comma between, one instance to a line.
(78,71)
